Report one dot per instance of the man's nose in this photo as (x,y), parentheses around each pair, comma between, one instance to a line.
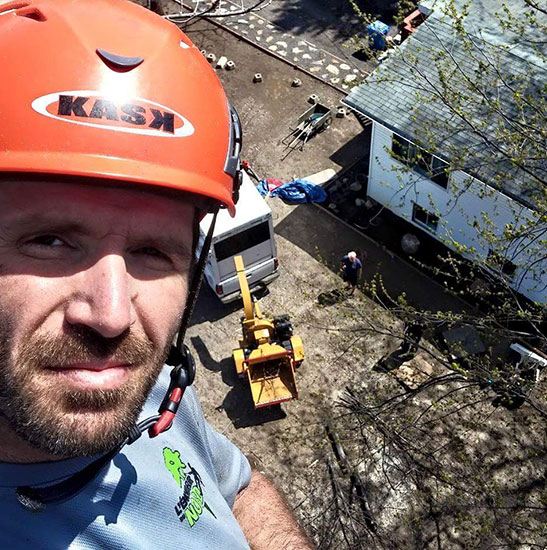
(104,301)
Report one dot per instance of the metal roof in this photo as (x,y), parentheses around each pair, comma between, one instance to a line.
(405,94)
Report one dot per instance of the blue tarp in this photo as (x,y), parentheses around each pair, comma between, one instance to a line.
(295,192)
(377,32)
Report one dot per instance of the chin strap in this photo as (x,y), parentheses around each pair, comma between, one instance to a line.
(180,358)
(35,499)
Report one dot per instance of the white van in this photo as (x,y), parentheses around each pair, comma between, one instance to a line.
(249,233)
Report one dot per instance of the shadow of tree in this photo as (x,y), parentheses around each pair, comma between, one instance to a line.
(472,476)
(331,297)
(315,18)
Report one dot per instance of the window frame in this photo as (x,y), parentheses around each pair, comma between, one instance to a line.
(420,160)
(500,265)
(431,226)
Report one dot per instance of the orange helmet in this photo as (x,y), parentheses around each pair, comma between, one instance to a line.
(107,89)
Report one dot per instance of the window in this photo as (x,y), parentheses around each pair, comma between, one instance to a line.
(402,148)
(420,160)
(423,217)
(242,241)
(500,264)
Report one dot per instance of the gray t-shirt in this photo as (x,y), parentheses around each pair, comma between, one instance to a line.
(173,491)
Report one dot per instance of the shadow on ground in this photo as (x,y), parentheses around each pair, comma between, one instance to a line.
(210,308)
(312,229)
(237,403)
(357,149)
(337,16)
(331,297)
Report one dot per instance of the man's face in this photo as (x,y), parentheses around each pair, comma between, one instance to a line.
(93,281)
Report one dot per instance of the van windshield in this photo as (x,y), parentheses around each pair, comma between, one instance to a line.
(242,241)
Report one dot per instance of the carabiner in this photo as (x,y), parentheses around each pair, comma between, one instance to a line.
(182,376)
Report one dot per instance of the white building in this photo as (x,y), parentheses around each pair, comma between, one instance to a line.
(471,209)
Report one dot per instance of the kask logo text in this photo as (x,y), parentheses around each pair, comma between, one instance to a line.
(132,115)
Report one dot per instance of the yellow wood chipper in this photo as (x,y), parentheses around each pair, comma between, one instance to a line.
(268,353)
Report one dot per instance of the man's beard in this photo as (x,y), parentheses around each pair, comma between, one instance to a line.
(65,421)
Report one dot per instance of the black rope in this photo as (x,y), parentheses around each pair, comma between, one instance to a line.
(35,499)
(197,277)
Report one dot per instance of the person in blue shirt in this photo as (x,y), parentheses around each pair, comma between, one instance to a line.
(117,138)
(351,267)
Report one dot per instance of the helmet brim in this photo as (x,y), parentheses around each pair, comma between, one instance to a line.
(122,170)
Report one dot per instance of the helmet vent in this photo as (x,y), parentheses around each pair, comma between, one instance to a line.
(23,9)
(119,62)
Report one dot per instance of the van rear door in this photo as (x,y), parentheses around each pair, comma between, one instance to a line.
(255,243)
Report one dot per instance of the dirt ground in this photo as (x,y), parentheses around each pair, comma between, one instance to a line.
(288,444)
(267,109)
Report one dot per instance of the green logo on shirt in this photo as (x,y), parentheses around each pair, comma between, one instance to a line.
(191,504)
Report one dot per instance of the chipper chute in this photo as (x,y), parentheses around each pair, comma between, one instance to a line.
(268,353)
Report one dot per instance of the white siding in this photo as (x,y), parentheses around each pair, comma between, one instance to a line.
(467,209)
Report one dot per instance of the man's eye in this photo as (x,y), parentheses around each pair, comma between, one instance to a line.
(151,251)
(150,257)
(46,240)
(46,247)
(153,254)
